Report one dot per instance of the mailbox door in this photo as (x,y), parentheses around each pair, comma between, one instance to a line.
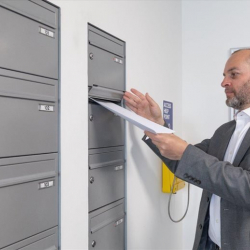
(29,196)
(105,128)
(25,47)
(107,227)
(106,178)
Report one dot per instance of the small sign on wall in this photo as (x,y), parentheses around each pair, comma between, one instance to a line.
(168,113)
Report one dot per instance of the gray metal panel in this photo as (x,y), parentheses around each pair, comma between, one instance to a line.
(105,150)
(106,129)
(29,89)
(106,44)
(18,170)
(24,129)
(107,227)
(107,171)
(24,48)
(40,11)
(43,244)
(105,93)
(104,71)
(27,77)
(36,238)
(106,35)
(27,209)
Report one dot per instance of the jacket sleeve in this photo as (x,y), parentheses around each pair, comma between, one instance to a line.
(172,165)
(218,177)
(209,173)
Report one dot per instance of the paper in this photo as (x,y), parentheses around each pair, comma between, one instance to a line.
(140,122)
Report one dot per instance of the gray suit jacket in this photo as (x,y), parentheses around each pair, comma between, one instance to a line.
(203,166)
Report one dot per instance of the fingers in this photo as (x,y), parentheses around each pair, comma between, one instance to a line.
(134,109)
(154,137)
(151,100)
(158,138)
(129,101)
(149,134)
(138,93)
(131,98)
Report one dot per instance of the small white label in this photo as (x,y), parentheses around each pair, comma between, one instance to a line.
(46,184)
(47,108)
(118,168)
(117,60)
(47,32)
(118,222)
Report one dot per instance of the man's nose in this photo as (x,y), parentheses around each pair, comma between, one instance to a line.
(225,82)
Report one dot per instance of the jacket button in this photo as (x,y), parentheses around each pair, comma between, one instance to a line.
(200,226)
(198,182)
(186,175)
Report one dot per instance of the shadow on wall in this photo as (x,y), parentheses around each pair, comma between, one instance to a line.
(142,166)
(158,229)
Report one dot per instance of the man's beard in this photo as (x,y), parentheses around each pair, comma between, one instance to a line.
(241,98)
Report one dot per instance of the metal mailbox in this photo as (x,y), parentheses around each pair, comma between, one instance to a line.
(29,128)
(106,60)
(28,194)
(45,240)
(105,128)
(106,141)
(29,37)
(106,178)
(107,227)
(30,114)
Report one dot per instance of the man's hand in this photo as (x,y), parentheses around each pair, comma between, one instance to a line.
(170,145)
(144,106)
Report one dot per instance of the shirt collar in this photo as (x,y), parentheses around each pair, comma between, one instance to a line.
(245,113)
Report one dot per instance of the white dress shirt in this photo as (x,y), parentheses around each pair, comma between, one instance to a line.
(242,125)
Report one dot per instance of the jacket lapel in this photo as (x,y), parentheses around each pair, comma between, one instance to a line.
(242,150)
(225,141)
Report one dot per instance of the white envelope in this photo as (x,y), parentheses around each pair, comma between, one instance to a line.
(140,122)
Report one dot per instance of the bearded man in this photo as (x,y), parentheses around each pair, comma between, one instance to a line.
(220,165)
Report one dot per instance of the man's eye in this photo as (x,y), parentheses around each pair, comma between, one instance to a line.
(234,74)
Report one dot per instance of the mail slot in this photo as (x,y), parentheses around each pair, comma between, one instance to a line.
(48,243)
(106,178)
(29,112)
(106,62)
(29,38)
(107,227)
(105,128)
(47,240)
(26,208)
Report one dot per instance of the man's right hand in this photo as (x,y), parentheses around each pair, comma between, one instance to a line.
(144,106)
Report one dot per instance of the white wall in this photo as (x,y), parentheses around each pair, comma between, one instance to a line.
(164,46)
(152,31)
(210,29)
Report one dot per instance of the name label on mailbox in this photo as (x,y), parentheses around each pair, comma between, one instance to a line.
(47,32)
(46,184)
(118,222)
(47,108)
(118,168)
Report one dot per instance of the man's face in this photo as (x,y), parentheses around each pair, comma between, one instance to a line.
(237,80)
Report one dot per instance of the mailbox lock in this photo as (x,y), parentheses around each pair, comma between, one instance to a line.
(91,56)
(91,179)
(93,243)
(91,118)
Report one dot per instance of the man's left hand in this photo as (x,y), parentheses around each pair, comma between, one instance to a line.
(170,145)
